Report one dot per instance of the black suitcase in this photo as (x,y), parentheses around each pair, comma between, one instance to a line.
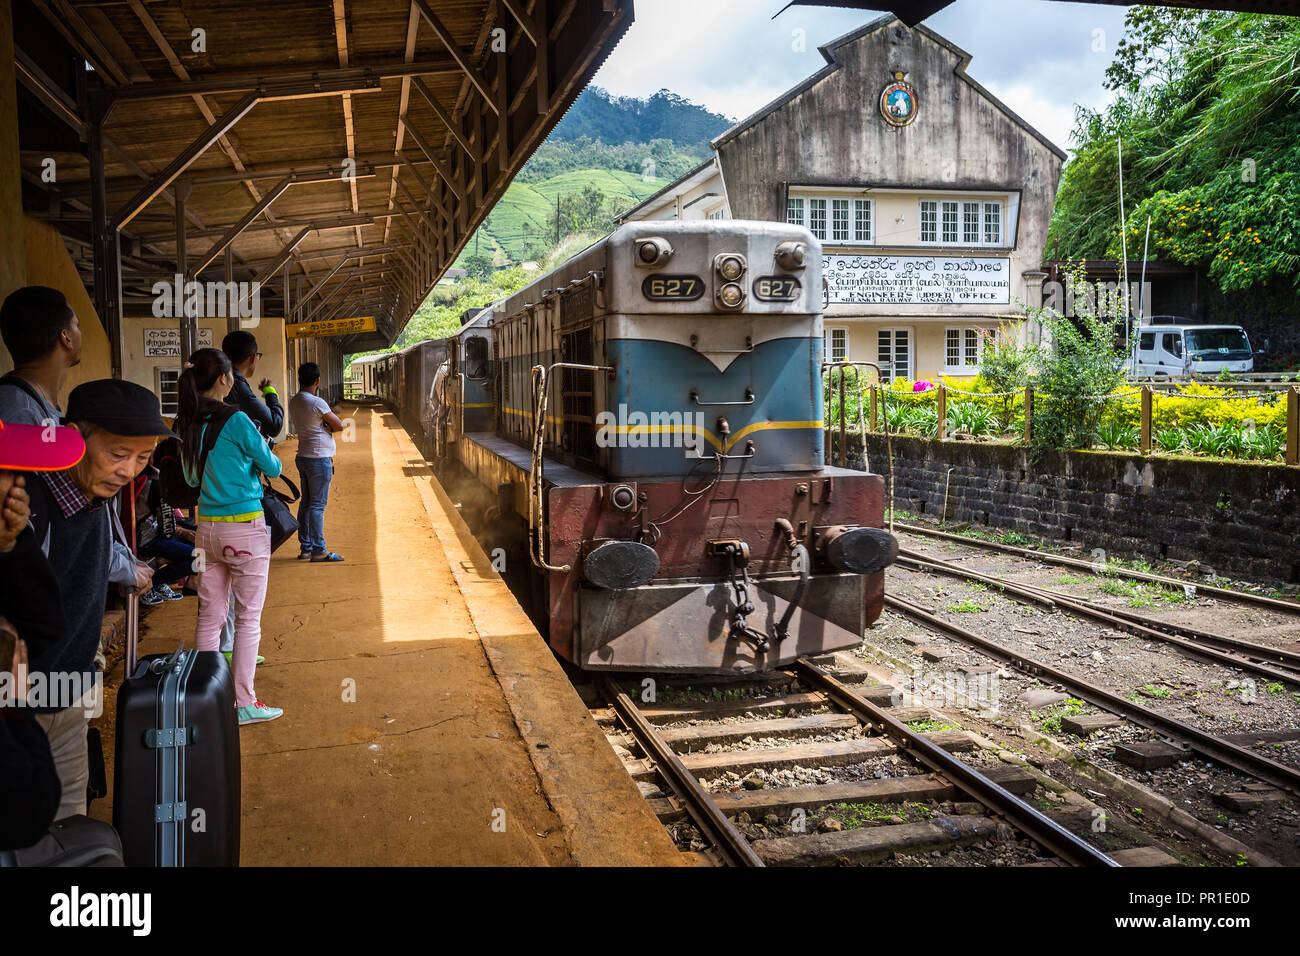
(176,796)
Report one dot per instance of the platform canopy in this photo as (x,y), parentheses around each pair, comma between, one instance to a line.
(339,152)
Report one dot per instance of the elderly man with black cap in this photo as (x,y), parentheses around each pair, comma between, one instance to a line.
(121,423)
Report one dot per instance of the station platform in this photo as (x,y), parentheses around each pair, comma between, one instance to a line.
(426,722)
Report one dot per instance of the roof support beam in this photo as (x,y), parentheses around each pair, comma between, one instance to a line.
(55,99)
(283,256)
(525,21)
(438,164)
(182,162)
(456,53)
(258,208)
(452,126)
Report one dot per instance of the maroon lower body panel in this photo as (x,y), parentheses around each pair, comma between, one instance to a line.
(680,621)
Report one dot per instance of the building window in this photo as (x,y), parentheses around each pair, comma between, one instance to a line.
(719,213)
(970,223)
(929,220)
(837,345)
(961,350)
(840,220)
(794,211)
(843,220)
(964,223)
(894,353)
(817,217)
(993,223)
(167,392)
(862,221)
(949,223)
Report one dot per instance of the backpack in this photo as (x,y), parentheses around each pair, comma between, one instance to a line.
(176,490)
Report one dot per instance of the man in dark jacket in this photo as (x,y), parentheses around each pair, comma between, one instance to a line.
(266,412)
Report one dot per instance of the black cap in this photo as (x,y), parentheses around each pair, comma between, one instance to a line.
(117,406)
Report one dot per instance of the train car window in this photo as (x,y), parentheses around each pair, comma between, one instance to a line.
(476,357)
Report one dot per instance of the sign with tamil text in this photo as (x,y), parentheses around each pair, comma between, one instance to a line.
(918,280)
(166,343)
(316,330)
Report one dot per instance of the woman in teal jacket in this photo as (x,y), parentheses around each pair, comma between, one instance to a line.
(232,538)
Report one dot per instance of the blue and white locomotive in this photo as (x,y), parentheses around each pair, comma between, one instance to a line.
(643,430)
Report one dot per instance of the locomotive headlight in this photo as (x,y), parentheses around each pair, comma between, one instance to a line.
(731,295)
(730,266)
(791,254)
(653,252)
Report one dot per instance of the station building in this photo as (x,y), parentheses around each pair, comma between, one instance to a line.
(932,199)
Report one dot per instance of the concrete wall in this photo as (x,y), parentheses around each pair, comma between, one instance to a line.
(1237,518)
(47,262)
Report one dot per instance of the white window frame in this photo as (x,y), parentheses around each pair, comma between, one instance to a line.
(717,212)
(158,373)
(894,331)
(968,350)
(857,210)
(950,222)
(829,350)
(796,210)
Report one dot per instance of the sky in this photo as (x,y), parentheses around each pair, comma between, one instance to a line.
(1040,57)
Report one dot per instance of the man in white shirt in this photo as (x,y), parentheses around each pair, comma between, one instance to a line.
(315,425)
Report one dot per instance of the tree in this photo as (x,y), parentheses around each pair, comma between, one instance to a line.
(1209,114)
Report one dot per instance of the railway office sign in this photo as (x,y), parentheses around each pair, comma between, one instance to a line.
(918,280)
(315,330)
(166,343)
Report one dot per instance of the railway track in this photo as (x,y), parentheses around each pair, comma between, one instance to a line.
(936,795)
(1045,557)
(1274,663)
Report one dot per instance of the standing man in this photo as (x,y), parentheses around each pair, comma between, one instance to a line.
(41,332)
(315,424)
(267,414)
(121,424)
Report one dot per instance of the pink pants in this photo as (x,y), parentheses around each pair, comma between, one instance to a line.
(237,557)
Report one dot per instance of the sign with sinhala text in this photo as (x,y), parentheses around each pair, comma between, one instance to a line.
(918,280)
(166,343)
(315,330)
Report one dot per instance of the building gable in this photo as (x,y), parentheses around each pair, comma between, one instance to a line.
(828,130)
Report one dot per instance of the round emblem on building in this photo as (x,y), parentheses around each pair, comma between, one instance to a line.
(898,103)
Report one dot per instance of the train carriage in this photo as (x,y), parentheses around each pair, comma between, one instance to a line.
(642,431)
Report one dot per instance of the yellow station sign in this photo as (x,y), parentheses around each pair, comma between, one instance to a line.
(315,330)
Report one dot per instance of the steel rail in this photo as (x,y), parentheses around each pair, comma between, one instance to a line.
(1261,652)
(1050,835)
(1217,749)
(1102,615)
(1243,597)
(713,823)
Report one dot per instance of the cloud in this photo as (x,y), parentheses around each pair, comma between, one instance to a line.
(1039,57)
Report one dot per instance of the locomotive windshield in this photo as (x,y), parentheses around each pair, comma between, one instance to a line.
(476,357)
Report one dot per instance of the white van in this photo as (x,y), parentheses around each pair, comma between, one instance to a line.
(1176,350)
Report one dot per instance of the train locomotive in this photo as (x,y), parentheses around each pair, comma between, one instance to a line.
(641,433)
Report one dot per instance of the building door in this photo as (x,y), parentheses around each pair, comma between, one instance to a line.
(894,353)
